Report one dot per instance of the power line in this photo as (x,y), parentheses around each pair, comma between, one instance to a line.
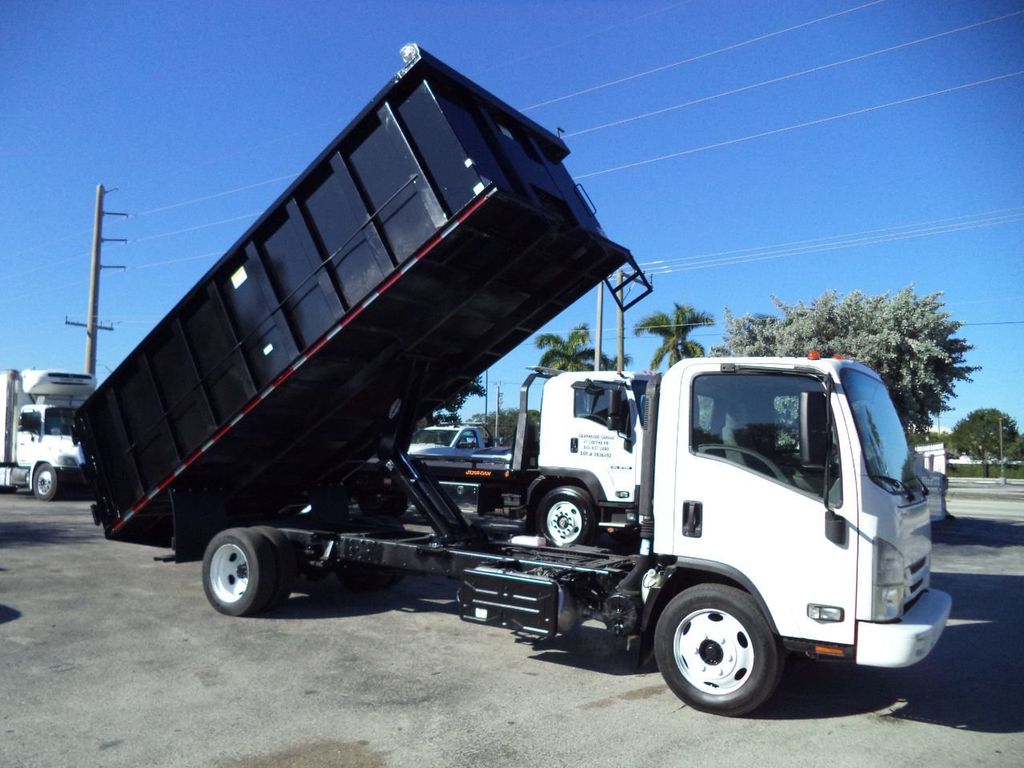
(834,242)
(580,38)
(806,124)
(214,196)
(829,247)
(151,264)
(698,57)
(171,233)
(783,78)
(1012,210)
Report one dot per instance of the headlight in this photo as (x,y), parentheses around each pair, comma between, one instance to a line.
(889,585)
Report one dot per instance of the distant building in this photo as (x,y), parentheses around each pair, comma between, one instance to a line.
(933,457)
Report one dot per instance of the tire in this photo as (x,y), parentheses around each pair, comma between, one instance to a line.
(239,572)
(287,565)
(565,517)
(716,651)
(45,484)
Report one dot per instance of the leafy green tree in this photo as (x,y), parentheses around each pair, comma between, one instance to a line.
(573,352)
(674,331)
(448,411)
(977,435)
(909,340)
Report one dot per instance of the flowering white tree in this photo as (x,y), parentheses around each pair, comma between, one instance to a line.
(909,340)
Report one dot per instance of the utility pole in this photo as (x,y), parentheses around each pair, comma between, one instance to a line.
(92,324)
(497,413)
(600,326)
(1002,461)
(622,322)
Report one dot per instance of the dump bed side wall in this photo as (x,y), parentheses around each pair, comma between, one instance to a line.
(430,238)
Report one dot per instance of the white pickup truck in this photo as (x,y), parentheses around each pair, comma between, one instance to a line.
(460,441)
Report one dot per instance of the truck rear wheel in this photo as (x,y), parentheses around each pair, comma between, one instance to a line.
(716,651)
(44,483)
(565,516)
(287,569)
(239,572)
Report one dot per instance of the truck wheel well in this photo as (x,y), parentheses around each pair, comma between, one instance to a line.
(685,577)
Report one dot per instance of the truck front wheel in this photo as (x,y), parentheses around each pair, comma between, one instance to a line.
(239,572)
(565,516)
(716,651)
(44,483)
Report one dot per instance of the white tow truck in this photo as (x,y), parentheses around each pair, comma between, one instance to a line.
(37,410)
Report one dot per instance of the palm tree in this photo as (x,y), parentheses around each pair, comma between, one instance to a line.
(674,331)
(569,353)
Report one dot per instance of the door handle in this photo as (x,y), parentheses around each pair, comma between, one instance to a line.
(693,519)
(574,445)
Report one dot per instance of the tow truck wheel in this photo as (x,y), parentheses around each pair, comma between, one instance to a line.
(565,516)
(44,483)
(239,572)
(716,651)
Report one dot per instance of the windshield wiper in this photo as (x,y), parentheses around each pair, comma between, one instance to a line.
(894,484)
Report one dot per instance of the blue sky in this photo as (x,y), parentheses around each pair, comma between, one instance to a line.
(774,166)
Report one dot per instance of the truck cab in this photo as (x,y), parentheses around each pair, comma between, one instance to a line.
(37,412)
(590,443)
(789,480)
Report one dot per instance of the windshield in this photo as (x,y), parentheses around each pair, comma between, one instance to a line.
(889,460)
(58,421)
(434,436)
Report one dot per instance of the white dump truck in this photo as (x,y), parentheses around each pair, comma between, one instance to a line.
(37,409)
(777,506)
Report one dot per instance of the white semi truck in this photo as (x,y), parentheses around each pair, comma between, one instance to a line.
(37,410)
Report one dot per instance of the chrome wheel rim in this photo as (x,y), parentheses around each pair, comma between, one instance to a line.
(714,652)
(44,482)
(565,522)
(229,573)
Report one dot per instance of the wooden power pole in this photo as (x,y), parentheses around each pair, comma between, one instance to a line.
(92,324)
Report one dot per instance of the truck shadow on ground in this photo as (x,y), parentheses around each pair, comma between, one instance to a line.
(327,598)
(972,535)
(32,533)
(8,614)
(970,681)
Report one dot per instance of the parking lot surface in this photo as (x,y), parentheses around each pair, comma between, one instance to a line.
(111,658)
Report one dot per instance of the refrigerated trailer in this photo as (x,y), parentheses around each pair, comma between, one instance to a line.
(438,231)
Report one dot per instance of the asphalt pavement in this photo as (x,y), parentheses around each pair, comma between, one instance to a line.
(111,658)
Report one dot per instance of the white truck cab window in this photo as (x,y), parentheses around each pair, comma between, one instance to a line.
(754,421)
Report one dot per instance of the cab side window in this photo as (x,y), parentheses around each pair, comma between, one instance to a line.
(590,404)
(759,421)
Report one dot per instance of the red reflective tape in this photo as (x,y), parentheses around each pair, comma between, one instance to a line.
(245,411)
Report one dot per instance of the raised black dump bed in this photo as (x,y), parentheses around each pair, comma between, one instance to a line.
(437,232)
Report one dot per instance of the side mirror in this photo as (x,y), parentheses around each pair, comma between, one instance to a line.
(618,411)
(813,422)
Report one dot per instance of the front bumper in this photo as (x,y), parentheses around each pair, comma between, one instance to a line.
(907,641)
